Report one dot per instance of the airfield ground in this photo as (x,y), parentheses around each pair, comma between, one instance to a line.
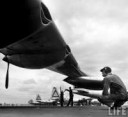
(86,111)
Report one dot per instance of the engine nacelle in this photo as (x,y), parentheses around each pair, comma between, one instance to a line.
(84,82)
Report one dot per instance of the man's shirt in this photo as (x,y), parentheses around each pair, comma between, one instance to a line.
(115,84)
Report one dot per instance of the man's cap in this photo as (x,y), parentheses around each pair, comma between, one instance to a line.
(106,69)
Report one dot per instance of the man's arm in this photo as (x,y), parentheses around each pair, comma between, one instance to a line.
(66,90)
(106,86)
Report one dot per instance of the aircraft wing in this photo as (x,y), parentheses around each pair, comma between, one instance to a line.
(43,48)
(68,66)
(36,43)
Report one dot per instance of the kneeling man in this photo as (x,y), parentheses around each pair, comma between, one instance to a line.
(114,91)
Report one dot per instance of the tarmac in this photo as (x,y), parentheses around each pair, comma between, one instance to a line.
(86,111)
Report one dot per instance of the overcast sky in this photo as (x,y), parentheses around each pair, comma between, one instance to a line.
(97,33)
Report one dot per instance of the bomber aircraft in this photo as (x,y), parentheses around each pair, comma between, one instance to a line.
(32,41)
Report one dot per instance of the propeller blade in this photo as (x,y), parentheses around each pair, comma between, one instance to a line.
(7,77)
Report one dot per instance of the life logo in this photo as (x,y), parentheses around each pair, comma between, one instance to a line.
(118,111)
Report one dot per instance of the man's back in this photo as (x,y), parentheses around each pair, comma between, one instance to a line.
(116,84)
(71,93)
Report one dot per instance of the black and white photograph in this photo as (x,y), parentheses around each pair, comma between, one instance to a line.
(64,58)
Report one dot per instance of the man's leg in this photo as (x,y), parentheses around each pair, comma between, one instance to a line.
(118,100)
(61,103)
(106,101)
(118,103)
(69,102)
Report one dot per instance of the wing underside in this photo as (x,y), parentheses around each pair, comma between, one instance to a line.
(68,67)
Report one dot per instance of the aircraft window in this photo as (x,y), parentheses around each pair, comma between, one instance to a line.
(45,15)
